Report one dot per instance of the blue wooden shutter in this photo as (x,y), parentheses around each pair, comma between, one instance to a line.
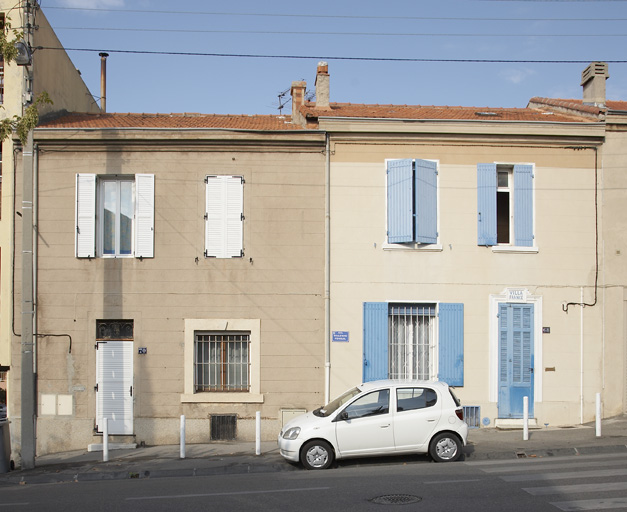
(375,341)
(486,204)
(451,344)
(400,201)
(426,192)
(523,205)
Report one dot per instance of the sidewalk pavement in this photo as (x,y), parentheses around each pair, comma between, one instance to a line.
(221,458)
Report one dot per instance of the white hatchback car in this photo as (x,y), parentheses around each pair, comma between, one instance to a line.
(384,417)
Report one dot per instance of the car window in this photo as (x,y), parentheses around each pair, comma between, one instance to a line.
(372,404)
(410,399)
(455,399)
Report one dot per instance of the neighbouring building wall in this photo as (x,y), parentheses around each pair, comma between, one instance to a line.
(614,249)
(274,291)
(577,353)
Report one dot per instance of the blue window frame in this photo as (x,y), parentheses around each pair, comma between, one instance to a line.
(505,205)
(412,201)
(385,322)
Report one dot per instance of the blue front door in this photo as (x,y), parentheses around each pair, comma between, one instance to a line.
(515,359)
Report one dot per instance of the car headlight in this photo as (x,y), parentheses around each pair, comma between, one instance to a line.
(291,433)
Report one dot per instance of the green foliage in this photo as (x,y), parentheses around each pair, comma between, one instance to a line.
(24,124)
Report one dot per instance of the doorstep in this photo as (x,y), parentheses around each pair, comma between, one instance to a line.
(515,423)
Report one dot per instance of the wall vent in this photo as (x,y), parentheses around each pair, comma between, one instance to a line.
(472,416)
(223,427)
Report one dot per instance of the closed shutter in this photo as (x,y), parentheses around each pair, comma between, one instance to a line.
(224,216)
(375,341)
(144,215)
(451,344)
(400,201)
(523,205)
(114,378)
(85,236)
(426,192)
(486,204)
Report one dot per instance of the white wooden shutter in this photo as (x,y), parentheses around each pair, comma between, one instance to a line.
(85,217)
(114,378)
(224,216)
(144,215)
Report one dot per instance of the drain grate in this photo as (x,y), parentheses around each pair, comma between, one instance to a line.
(395,499)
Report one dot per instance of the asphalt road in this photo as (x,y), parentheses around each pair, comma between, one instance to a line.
(591,482)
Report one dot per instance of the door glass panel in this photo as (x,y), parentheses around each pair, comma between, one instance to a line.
(372,404)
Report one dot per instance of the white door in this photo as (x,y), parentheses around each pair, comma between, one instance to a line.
(114,386)
(367,428)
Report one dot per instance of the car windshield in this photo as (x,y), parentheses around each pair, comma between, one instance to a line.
(334,405)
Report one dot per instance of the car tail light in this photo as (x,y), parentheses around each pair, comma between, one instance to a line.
(460,413)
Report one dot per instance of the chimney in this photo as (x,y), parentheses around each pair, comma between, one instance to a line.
(593,80)
(298,100)
(103,81)
(322,85)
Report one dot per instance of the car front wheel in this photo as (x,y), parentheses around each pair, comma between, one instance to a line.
(445,447)
(317,455)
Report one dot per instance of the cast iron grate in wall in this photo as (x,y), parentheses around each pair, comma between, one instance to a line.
(472,415)
(223,427)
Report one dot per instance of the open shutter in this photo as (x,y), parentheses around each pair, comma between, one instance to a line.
(234,216)
(426,192)
(523,205)
(451,344)
(375,341)
(85,236)
(144,215)
(486,204)
(400,201)
(224,216)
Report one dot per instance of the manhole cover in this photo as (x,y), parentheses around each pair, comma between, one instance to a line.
(395,499)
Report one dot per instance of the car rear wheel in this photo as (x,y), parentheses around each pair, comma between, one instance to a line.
(317,455)
(445,447)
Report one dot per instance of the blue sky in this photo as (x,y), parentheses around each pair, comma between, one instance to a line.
(363,42)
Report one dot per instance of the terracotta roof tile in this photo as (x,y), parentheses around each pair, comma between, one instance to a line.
(424,112)
(171,121)
(579,105)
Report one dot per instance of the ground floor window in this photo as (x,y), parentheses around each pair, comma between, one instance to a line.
(221,361)
(411,341)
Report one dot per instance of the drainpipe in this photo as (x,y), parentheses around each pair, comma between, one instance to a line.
(327,273)
(581,360)
(103,82)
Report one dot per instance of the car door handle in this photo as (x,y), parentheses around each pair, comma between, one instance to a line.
(385,426)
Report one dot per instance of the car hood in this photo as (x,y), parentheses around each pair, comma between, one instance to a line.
(307,421)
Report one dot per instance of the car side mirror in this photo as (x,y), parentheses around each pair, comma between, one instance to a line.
(343,416)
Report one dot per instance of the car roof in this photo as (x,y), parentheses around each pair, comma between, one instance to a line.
(403,383)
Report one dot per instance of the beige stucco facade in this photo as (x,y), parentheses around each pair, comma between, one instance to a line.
(54,73)
(274,291)
(578,351)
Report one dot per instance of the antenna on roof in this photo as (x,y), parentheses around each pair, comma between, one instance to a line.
(281,103)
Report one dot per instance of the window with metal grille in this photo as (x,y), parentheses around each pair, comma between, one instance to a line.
(221,361)
(412,341)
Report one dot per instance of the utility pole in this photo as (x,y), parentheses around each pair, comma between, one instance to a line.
(28,402)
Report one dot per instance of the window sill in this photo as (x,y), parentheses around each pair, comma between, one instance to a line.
(222,398)
(514,249)
(412,247)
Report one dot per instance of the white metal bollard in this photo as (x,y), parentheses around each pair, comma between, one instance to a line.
(105,440)
(598,415)
(526,418)
(258,433)
(182,449)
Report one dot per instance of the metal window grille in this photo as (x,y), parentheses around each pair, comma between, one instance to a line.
(411,341)
(472,415)
(221,361)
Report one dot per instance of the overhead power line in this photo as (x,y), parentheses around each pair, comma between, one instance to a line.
(303,33)
(329,57)
(324,16)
